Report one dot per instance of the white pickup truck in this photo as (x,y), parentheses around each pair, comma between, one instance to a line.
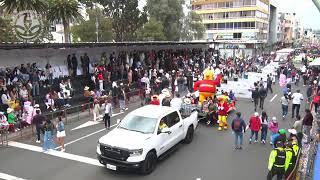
(143,136)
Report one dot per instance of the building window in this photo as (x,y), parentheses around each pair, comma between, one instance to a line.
(237,35)
(229,4)
(247,2)
(237,25)
(226,15)
(210,35)
(221,4)
(221,25)
(229,25)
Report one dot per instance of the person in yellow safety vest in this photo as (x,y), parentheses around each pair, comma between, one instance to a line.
(278,162)
(292,146)
(291,153)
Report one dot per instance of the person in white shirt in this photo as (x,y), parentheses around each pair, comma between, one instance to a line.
(24,94)
(285,105)
(176,102)
(63,88)
(297,99)
(5,98)
(107,114)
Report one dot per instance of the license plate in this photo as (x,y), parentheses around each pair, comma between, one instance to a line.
(112,167)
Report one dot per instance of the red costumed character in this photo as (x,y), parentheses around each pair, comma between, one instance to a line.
(207,87)
(223,109)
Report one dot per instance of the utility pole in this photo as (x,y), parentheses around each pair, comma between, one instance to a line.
(97,23)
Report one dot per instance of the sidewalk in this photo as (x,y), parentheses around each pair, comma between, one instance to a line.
(69,119)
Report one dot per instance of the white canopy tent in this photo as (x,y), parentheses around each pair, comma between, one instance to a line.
(315,62)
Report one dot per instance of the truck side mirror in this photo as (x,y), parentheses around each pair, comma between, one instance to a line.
(166,130)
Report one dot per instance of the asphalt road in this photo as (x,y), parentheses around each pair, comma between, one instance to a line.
(210,156)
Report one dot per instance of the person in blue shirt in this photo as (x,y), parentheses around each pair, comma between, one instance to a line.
(280,136)
(61,133)
(231,96)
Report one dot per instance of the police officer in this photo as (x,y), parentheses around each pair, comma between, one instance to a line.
(290,154)
(293,147)
(278,162)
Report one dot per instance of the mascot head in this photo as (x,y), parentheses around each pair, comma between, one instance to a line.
(208,74)
(223,98)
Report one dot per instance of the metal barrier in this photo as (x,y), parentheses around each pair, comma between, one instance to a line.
(69,115)
(308,154)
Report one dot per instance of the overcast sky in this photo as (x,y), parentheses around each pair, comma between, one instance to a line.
(305,10)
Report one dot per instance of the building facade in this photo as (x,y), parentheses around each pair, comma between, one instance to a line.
(239,25)
(280,27)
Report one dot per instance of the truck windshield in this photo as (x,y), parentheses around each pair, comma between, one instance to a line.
(141,124)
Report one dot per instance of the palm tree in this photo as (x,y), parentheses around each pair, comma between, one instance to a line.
(66,11)
(39,6)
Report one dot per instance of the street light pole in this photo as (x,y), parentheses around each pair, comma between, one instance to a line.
(97,23)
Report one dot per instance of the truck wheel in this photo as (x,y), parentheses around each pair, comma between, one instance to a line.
(189,136)
(149,163)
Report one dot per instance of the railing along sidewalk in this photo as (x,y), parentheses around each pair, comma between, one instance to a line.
(69,114)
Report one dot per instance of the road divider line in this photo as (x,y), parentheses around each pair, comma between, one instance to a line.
(9,177)
(59,154)
(273,97)
(92,123)
(83,137)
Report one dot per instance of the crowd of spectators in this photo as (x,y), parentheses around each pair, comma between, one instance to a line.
(116,76)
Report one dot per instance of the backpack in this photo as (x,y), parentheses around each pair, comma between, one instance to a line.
(237,124)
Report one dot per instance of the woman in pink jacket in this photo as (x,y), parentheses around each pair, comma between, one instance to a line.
(273,127)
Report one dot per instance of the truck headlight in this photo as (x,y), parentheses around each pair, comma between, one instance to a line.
(98,149)
(136,152)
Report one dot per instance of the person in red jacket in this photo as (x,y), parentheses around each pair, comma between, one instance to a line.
(223,112)
(255,126)
(155,100)
(101,70)
(315,102)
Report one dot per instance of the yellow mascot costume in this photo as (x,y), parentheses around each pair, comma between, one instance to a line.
(207,86)
(223,112)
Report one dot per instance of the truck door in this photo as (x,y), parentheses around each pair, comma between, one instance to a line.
(163,138)
(176,127)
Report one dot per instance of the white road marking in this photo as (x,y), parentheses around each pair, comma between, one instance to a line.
(273,97)
(92,123)
(198,179)
(87,124)
(88,135)
(59,154)
(9,177)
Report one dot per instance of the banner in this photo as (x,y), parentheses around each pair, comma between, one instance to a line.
(240,88)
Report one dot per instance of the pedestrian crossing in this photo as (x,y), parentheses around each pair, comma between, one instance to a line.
(9,177)
(54,153)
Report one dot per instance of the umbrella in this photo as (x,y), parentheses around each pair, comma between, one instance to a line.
(316,62)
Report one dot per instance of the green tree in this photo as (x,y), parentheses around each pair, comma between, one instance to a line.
(20,5)
(126,18)
(66,11)
(6,30)
(152,31)
(170,14)
(193,29)
(86,30)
